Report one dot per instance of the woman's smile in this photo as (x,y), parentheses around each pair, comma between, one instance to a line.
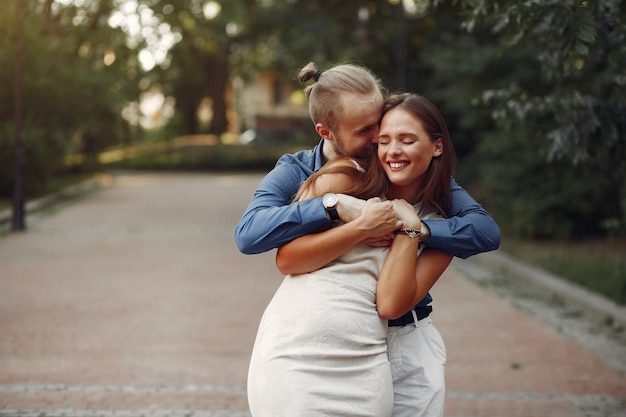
(397,165)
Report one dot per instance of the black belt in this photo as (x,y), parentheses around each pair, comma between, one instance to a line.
(420,312)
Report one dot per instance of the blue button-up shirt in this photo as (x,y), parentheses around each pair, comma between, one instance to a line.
(270,220)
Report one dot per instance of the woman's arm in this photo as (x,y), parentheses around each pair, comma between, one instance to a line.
(311,252)
(400,288)
(406,278)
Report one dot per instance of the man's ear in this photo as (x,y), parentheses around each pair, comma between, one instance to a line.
(323,131)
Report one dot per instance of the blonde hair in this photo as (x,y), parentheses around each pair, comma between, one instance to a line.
(324,94)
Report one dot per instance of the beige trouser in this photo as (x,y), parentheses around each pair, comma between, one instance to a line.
(418,358)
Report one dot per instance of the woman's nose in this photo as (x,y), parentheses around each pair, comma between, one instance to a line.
(394,148)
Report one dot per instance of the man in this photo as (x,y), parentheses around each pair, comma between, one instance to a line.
(345,104)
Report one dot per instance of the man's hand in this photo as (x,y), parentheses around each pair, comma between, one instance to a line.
(348,207)
(407,219)
(377,218)
(380,220)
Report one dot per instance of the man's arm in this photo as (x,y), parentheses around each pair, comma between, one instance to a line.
(311,252)
(271,219)
(468,230)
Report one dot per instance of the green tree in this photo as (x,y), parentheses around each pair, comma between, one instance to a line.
(577,102)
(72,90)
(199,65)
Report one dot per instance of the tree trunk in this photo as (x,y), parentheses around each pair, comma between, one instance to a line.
(217,71)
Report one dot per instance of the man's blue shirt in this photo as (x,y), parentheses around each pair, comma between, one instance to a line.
(271,219)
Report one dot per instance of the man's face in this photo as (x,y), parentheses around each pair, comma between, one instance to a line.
(357,124)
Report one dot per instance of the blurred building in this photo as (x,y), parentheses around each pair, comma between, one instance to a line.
(271,109)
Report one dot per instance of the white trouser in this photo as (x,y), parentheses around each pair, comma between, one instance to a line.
(418,358)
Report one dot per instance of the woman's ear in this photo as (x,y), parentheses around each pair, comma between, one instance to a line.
(438,150)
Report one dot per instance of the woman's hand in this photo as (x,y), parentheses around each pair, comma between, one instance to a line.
(407,215)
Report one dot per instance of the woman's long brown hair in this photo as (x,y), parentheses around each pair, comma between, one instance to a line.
(369,182)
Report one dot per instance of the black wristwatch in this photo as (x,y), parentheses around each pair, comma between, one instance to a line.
(330,201)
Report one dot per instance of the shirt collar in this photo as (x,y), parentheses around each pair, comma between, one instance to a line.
(318,156)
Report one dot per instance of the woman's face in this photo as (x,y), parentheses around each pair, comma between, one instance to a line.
(405,149)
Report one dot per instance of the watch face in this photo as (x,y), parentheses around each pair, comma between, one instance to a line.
(330,200)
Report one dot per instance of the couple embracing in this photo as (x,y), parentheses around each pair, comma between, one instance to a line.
(365,224)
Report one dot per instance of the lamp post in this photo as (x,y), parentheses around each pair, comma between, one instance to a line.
(18,222)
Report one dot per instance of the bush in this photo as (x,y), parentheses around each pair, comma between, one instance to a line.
(535,198)
(43,158)
(207,158)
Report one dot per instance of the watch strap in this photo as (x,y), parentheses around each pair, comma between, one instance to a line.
(332,213)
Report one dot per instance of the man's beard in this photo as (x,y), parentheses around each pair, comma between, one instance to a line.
(364,153)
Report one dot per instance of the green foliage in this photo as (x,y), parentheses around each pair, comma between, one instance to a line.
(537,198)
(576,100)
(43,153)
(284,35)
(207,158)
(69,99)
(199,62)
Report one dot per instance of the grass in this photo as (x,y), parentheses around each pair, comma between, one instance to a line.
(598,265)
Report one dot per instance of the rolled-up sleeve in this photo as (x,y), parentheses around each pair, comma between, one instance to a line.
(271,219)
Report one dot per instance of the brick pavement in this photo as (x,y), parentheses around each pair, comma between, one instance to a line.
(134,301)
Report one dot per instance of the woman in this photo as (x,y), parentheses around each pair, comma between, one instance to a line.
(412,130)
(321,345)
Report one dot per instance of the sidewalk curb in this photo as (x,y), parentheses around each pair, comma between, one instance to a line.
(503,264)
(96,182)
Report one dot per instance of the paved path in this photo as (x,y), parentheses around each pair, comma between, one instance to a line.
(134,301)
